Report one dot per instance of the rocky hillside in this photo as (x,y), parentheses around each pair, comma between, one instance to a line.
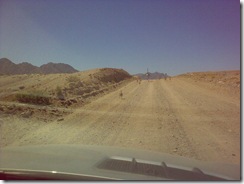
(60,89)
(49,96)
(221,78)
(222,82)
(10,68)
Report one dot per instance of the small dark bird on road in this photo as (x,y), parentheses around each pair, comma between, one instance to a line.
(121,94)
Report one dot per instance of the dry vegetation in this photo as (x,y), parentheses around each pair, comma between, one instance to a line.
(227,78)
(50,96)
(224,82)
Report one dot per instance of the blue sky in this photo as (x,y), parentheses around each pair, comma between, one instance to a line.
(170,36)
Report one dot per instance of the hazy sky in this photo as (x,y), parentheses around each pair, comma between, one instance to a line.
(170,36)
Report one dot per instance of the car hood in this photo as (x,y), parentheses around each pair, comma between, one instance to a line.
(109,163)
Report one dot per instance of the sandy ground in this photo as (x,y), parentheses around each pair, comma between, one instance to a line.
(177,116)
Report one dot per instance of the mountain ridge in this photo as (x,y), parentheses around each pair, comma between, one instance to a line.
(10,68)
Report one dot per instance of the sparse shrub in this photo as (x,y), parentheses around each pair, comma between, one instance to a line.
(73,79)
(79,84)
(71,86)
(79,92)
(27,114)
(22,87)
(59,93)
(33,99)
(74,82)
(94,93)
(86,95)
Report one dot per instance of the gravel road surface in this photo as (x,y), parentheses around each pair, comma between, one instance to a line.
(173,116)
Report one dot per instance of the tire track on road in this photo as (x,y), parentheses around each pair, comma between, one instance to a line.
(207,140)
(100,131)
(180,143)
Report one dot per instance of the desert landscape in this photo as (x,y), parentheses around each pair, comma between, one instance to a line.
(195,115)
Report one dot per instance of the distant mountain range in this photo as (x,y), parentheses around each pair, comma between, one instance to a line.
(8,67)
(155,75)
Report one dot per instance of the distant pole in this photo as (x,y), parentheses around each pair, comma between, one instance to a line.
(147,74)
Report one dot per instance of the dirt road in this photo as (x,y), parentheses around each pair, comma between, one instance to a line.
(173,116)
